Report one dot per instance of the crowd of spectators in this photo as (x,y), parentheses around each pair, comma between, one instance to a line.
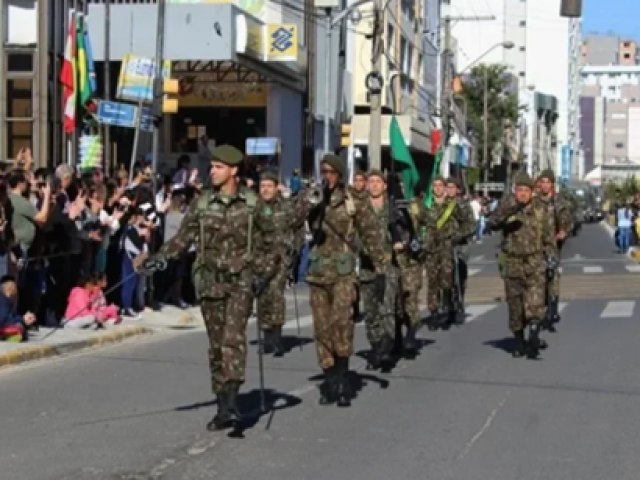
(71,242)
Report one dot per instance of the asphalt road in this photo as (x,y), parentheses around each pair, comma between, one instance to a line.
(463,409)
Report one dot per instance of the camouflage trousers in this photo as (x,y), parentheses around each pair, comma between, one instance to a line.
(524,288)
(331,307)
(271,306)
(380,315)
(439,275)
(411,285)
(226,322)
(554,285)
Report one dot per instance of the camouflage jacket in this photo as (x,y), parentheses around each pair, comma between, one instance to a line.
(466,229)
(333,253)
(419,216)
(219,225)
(559,210)
(457,227)
(279,227)
(527,230)
(367,269)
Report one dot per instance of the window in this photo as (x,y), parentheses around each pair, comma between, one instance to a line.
(619,145)
(627,57)
(18,103)
(523,23)
(20,62)
(523,49)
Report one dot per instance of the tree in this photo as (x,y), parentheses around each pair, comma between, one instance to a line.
(502,103)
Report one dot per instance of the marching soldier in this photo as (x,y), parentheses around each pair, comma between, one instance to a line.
(334,221)
(528,245)
(275,215)
(560,213)
(223,224)
(443,233)
(380,314)
(460,251)
(359,186)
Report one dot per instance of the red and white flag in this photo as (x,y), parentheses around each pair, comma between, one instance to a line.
(68,77)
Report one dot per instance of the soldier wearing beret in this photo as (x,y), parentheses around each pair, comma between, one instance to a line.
(279,227)
(443,234)
(560,213)
(331,275)
(227,273)
(528,243)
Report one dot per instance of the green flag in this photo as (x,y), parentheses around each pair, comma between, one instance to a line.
(428,199)
(83,71)
(400,153)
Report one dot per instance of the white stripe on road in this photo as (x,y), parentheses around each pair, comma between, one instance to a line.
(477,258)
(618,309)
(473,312)
(633,268)
(562,306)
(596,269)
(560,270)
(473,271)
(305,321)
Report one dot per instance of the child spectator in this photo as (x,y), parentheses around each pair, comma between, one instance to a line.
(13,327)
(80,312)
(133,250)
(105,314)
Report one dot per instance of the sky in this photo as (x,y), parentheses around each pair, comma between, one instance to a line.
(616,16)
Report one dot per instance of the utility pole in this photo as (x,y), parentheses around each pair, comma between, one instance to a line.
(375,97)
(158,74)
(107,83)
(327,84)
(485,128)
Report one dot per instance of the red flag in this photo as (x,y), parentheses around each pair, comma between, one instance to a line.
(68,77)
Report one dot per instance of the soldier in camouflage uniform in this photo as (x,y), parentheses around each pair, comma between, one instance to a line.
(443,234)
(331,275)
(223,224)
(560,212)
(461,253)
(528,244)
(358,190)
(380,313)
(277,235)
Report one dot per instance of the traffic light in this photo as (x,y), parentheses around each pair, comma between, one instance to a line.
(162,103)
(345,135)
(571,8)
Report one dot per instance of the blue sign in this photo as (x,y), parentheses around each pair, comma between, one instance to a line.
(262,146)
(146,120)
(117,113)
(565,165)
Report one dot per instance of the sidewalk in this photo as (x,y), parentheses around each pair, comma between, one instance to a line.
(47,343)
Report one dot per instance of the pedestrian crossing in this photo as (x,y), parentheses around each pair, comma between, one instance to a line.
(567,269)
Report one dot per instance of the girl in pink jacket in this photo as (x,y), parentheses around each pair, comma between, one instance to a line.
(80,312)
(105,314)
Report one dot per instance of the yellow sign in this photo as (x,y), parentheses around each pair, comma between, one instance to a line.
(203,90)
(282,42)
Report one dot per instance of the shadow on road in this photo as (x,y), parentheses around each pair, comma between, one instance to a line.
(506,344)
(252,412)
(289,342)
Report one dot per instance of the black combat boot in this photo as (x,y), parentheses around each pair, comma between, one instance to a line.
(267,342)
(410,344)
(520,348)
(373,359)
(276,341)
(446,322)
(342,379)
(555,313)
(432,321)
(386,349)
(328,387)
(533,343)
(235,417)
(222,418)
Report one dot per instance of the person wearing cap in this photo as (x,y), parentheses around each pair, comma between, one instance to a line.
(227,273)
(379,313)
(277,217)
(335,222)
(560,213)
(443,234)
(466,230)
(528,244)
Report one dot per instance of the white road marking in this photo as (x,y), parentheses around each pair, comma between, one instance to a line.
(305,321)
(475,311)
(485,427)
(618,309)
(592,269)
(633,268)
(473,271)
(560,270)
(562,306)
(476,258)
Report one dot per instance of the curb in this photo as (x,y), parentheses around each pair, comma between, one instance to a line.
(29,353)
